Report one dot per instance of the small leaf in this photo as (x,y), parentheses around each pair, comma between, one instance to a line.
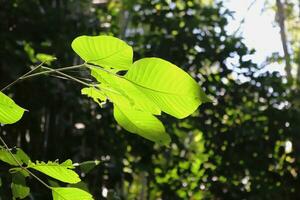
(97,95)
(60,193)
(20,156)
(20,170)
(45,58)
(53,183)
(18,186)
(105,51)
(87,166)
(141,123)
(172,89)
(81,185)
(10,112)
(58,171)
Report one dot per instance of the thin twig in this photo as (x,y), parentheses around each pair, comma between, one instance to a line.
(18,79)
(20,165)
(48,71)
(66,75)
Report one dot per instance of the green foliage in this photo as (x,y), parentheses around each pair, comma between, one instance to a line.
(105,51)
(18,186)
(142,123)
(151,85)
(241,154)
(87,166)
(168,86)
(123,92)
(97,95)
(20,156)
(45,58)
(59,193)
(10,112)
(62,172)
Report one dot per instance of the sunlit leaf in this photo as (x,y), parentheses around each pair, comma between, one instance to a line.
(105,51)
(97,95)
(18,186)
(171,88)
(10,112)
(123,92)
(60,193)
(19,154)
(141,123)
(62,172)
(45,58)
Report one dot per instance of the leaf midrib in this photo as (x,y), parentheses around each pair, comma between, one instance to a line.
(135,83)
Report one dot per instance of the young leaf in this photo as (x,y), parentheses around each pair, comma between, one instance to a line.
(97,95)
(45,58)
(60,193)
(18,186)
(62,172)
(10,112)
(81,185)
(105,51)
(171,88)
(141,123)
(20,156)
(123,92)
(87,166)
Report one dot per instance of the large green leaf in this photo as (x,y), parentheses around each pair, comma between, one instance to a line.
(123,92)
(60,193)
(10,112)
(18,186)
(171,88)
(105,51)
(62,172)
(141,123)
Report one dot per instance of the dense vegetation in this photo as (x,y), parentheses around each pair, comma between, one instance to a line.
(243,146)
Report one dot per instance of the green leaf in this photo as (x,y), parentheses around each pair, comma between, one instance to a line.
(81,185)
(141,123)
(20,156)
(87,166)
(123,92)
(60,193)
(169,87)
(10,112)
(18,186)
(97,95)
(58,171)
(105,51)
(45,58)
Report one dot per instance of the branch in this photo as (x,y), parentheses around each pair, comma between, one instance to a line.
(20,165)
(18,79)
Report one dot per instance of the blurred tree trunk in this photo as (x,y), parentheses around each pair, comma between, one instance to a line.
(298,53)
(284,41)
(124,19)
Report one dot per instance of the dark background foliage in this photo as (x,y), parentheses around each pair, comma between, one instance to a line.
(231,149)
